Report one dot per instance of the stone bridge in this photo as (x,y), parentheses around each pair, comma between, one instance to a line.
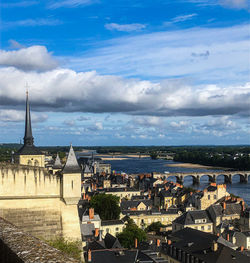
(212,176)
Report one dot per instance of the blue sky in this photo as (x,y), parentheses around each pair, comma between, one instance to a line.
(126,72)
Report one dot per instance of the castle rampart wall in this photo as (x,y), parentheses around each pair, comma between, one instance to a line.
(20,181)
(30,199)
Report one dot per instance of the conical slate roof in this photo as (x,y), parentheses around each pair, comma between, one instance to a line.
(86,169)
(57,164)
(71,165)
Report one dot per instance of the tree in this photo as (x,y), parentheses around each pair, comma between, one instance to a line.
(155,226)
(130,233)
(153,155)
(106,205)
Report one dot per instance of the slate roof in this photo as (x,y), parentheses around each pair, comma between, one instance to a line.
(111,242)
(199,245)
(87,229)
(28,150)
(86,169)
(71,165)
(57,164)
(231,209)
(112,222)
(127,205)
(188,218)
(114,256)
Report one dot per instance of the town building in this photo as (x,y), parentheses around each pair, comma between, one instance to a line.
(198,219)
(193,246)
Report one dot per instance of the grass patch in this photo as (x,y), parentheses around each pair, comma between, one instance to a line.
(70,248)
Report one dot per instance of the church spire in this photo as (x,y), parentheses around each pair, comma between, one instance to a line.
(28,138)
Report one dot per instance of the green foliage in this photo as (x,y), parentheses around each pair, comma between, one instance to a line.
(130,233)
(155,226)
(228,158)
(154,155)
(70,248)
(106,205)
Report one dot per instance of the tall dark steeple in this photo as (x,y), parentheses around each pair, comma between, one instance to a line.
(28,138)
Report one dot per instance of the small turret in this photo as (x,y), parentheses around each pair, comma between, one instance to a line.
(71,179)
(57,164)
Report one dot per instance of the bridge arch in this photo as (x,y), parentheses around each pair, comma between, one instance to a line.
(209,177)
(227,178)
(243,178)
(195,178)
(172,178)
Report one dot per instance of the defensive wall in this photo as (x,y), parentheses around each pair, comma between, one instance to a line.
(31,199)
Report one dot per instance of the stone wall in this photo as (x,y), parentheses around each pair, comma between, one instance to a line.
(20,247)
(32,199)
(26,181)
(43,217)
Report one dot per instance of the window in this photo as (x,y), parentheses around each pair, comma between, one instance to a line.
(117,229)
(209,227)
(215,196)
(202,227)
(208,197)
(107,230)
(72,184)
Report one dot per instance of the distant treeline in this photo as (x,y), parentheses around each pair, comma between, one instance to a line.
(237,160)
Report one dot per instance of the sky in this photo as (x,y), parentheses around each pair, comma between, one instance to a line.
(126,72)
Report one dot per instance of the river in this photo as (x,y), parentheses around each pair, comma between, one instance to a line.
(147,165)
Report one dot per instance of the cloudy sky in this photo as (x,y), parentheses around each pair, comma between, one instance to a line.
(126,72)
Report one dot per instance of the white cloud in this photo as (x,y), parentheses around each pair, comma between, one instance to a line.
(31,58)
(173,54)
(235,4)
(19,4)
(125,27)
(238,4)
(181,18)
(31,23)
(19,116)
(69,122)
(66,90)
(180,124)
(14,44)
(69,3)
(98,126)
(147,121)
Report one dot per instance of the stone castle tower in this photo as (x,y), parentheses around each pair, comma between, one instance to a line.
(28,154)
(71,183)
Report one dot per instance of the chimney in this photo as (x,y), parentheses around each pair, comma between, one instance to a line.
(227,237)
(243,205)
(214,246)
(158,242)
(100,235)
(91,213)
(136,242)
(89,255)
(96,232)
(224,205)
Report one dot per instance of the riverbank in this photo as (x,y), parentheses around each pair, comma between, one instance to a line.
(120,157)
(195,166)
